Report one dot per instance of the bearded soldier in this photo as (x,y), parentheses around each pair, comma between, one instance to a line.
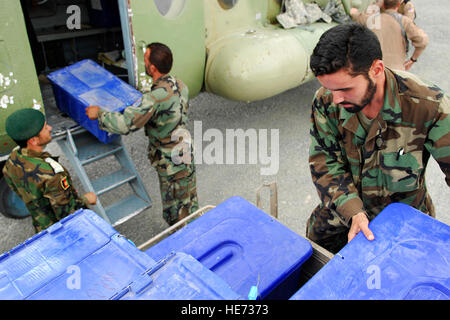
(373,131)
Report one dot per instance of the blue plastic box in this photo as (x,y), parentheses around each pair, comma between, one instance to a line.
(178,277)
(408,260)
(80,257)
(244,246)
(86,83)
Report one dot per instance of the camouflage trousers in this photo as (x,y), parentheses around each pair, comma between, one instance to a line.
(326,229)
(178,196)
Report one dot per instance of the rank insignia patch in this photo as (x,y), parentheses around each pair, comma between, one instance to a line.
(65,183)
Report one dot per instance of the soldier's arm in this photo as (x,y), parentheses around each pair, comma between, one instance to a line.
(329,170)
(416,35)
(409,11)
(438,139)
(133,117)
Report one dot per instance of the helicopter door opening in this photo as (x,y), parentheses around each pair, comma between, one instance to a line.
(63,32)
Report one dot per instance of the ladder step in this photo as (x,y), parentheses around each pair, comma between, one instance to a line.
(91,149)
(112,181)
(88,154)
(125,209)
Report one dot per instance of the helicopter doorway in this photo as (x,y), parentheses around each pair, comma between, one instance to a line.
(63,32)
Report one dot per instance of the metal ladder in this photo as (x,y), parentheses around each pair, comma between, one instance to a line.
(82,148)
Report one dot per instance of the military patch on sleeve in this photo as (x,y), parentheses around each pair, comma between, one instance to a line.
(65,183)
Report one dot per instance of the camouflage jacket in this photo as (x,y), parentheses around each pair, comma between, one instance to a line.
(44,186)
(163,113)
(354,171)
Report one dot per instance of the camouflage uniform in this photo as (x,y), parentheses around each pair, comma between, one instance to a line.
(163,113)
(354,171)
(44,185)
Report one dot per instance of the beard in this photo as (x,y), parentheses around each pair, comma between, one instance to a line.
(371,89)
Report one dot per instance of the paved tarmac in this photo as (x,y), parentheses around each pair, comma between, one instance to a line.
(288,113)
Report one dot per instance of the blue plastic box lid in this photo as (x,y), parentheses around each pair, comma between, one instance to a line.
(178,277)
(86,83)
(80,257)
(408,260)
(244,246)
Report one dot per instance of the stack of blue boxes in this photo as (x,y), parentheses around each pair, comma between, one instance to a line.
(82,257)
(230,249)
(244,246)
(225,254)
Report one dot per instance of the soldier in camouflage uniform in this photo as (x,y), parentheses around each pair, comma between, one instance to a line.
(38,179)
(372,133)
(163,114)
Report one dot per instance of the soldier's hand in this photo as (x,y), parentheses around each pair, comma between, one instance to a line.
(91,197)
(408,64)
(360,223)
(92,112)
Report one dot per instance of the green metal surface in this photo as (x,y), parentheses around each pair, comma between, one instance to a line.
(19,87)
(181,28)
(249,57)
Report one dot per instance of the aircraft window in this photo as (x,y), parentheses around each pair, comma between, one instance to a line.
(170,8)
(227,4)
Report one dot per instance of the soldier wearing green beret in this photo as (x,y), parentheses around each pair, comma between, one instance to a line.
(163,114)
(38,179)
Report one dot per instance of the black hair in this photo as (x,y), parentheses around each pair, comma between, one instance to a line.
(351,46)
(21,143)
(390,4)
(160,57)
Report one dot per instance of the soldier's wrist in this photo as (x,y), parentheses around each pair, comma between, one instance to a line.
(412,59)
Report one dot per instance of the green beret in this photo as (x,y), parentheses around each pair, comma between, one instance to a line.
(24,124)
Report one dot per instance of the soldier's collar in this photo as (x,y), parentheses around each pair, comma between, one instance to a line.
(163,77)
(35,154)
(391,110)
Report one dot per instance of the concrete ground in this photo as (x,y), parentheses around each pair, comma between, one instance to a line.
(288,113)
